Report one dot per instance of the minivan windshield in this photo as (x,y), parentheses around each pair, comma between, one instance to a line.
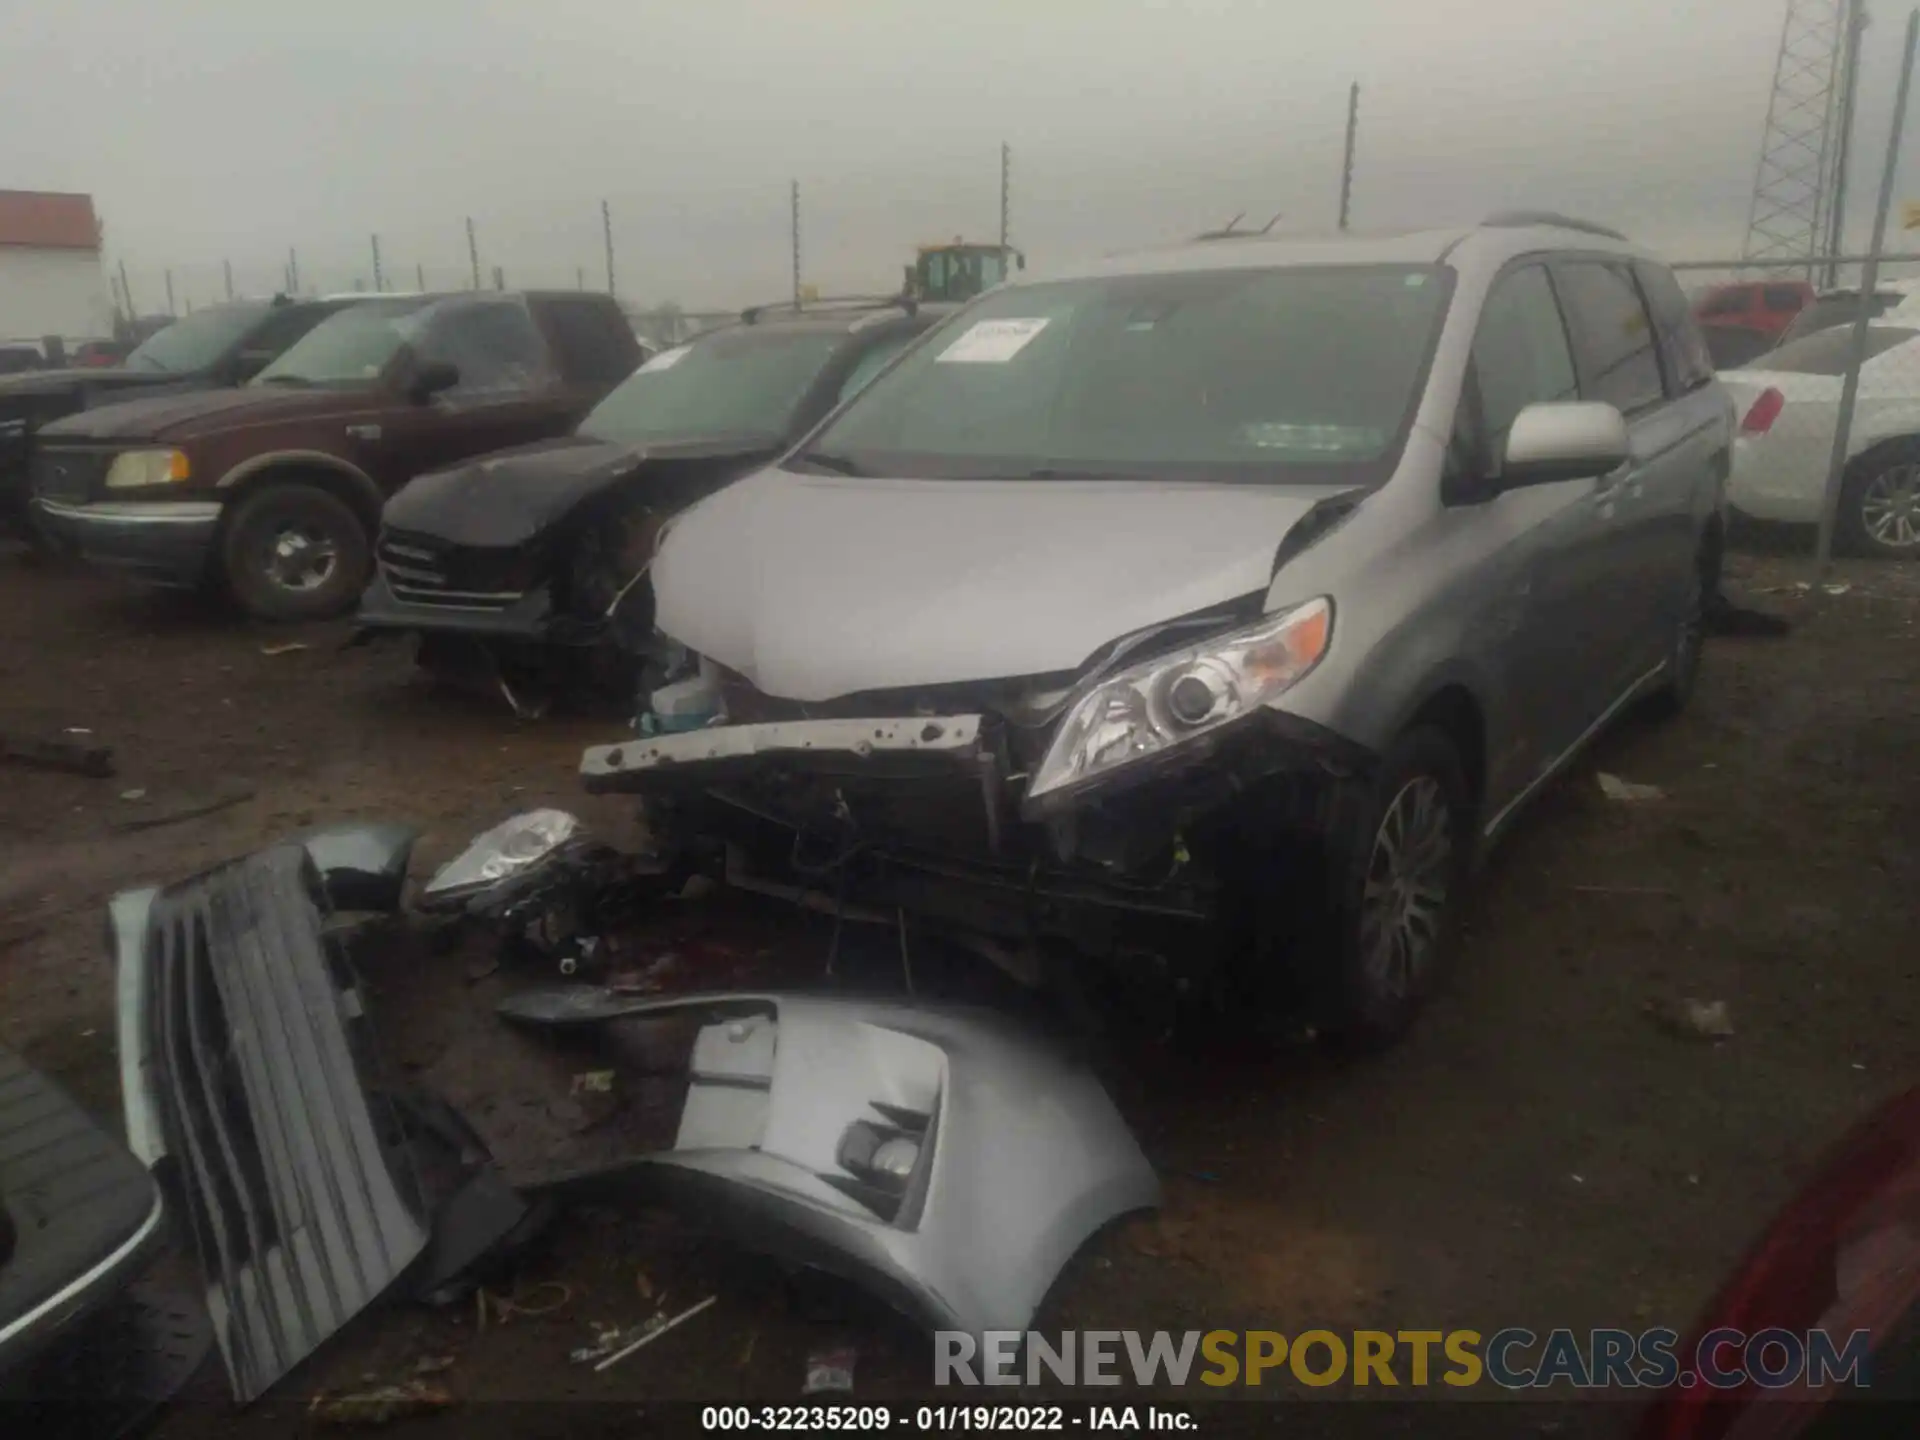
(352,347)
(196,341)
(1268,374)
(744,384)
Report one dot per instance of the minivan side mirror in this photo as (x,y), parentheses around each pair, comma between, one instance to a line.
(430,377)
(1563,440)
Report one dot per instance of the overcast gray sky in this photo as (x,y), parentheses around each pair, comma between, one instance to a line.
(211,129)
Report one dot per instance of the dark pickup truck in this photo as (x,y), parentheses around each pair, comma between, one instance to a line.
(273,491)
(208,350)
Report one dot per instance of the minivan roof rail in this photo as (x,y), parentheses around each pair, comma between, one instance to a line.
(1518,219)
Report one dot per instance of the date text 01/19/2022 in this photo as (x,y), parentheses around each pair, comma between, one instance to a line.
(940,1419)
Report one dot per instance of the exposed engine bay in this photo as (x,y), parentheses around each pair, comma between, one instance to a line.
(924,804)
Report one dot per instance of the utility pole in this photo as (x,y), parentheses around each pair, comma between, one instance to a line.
(1856,22)
(499,278)
(379,281)
(796,244)
(473,252)
(579,277)
(1346,165)
(1869,276)
(293,272)
(420,277)
(127,291)
(170,309)
(227,265)
(1006,169)
(606,229)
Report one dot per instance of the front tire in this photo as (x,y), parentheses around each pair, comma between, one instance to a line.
(1880,503)
(1399,880)
(295,552)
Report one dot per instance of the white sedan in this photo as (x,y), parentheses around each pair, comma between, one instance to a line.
(1789,403)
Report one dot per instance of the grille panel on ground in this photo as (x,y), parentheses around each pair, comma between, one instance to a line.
(301,1211)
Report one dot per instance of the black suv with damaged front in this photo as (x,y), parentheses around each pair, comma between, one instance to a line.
(525,570)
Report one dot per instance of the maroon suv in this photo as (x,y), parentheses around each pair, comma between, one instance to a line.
(273,491)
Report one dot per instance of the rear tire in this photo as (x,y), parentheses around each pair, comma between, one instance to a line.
(295,552)
(1880,503)
(1688,641)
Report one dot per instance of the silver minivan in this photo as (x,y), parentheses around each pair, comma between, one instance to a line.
(1201,613)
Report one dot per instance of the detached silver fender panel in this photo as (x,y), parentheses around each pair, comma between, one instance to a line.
(1007,1153)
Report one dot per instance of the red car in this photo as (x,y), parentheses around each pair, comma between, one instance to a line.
(1743,319)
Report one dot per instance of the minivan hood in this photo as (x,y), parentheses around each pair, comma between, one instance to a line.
(183,416)
(814,587)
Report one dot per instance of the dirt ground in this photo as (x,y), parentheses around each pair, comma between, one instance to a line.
(1538,1153)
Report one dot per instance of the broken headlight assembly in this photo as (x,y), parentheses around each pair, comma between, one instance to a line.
(550,890)
(1182,695)
(506,852)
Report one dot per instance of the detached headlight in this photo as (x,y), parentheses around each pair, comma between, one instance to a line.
(137,469)
(505,852)
(1182,695)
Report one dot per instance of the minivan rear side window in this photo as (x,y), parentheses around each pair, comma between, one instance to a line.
(1613,344)
(1683,349)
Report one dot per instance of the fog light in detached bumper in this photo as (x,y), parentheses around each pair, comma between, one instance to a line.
(895,1158)
(881,1160)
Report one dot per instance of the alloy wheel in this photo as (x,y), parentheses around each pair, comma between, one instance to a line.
(1890,508)
(1408,887)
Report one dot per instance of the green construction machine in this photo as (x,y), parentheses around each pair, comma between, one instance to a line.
(960,270)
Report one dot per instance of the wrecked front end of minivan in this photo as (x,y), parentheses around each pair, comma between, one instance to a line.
(1125,811)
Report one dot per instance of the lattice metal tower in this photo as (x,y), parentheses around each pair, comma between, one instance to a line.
(1792,215)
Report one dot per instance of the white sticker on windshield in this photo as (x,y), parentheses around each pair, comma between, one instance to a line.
(665,360)
(992,342)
